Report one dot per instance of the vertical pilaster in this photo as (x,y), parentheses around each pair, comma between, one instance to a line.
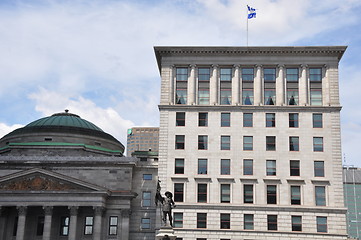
(98,220)
(258,86)
(20,233)
(303,89)
(236,86)
(325,87)
(171,84)
(214,90)
(125,223)
(73,222)
(280,86)
(192,86)
(48,212)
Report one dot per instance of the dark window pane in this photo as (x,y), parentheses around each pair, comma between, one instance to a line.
(202,166)
(202,119)
(225,221)
(295,168)
(247,167)
(178,192)
(272,222)
(201,220)
(247,120)
(179,166)
(293,120)
(271,194)
(225,119)
(180,118)
(248,193)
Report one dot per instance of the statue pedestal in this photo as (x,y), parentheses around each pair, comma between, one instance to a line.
(166,233)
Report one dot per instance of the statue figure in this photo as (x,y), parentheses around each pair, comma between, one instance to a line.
(167,204)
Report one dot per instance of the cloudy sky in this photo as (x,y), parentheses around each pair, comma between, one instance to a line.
(96,57)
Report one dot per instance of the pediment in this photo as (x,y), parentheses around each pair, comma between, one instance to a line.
(44,180)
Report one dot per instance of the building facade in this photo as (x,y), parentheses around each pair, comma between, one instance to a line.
(249,142)
(352,188)
(142,139)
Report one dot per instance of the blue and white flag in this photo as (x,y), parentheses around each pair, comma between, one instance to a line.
(251,12)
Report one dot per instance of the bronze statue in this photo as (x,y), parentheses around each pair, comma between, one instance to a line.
(167,204)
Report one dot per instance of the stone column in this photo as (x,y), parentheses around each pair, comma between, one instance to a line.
(171,84)
(192,86)
(258,90)
(326,91)
(303,89)
(47,222)
(98,220)
(20,233)
(125,223)
(236,86)
(73,222)
(213,85)
(280,86)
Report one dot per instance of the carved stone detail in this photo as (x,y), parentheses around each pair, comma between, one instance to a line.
(48,210)
(126,212)
(73,210)
(22,210)
(98,211)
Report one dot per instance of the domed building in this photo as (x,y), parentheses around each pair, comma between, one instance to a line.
(62,177)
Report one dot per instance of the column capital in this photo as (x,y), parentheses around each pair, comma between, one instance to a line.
(304,66)
(126,212)
(258,66)
(236,66)
(98,210)
(192,66)
(73,210)
(326,66)
(22,210)
(215,66)
(48,210)
(281,66)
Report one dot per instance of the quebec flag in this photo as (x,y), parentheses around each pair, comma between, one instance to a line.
(251,12)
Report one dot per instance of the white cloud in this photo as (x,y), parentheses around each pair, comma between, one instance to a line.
(5,129)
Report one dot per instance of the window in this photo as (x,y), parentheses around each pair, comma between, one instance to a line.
(179,141)
(247,193)
(202,192)
(179,166)
(202,142)
(225,142)
(272,222)
(178,220)
(271,194)
(203,95)
(248,143)
(269,74)
(181,85)
(226,74)
(316,97)
(113,225)
(269,96)
(202,166)
(318,144)
(293,120)
(225,221)
(180,119)
(270,120)
(64,226)
(294,168)
(226,96)
(146,199)
(294,144)
(271,168)
(315,74)
(201,220)
(88,226)
(40,226)
(320,195)
(145,223)
(295,195)
(319,168)
(296,223)
(202,119)
(292,96)
(247,74)
(248,222)
(147,177)
(270,143)
(225,166)
(292,74)
(178,192)
(247,167)
(321,224)
(247,120)
(247,96)
(317,120)
(225,193)
(225,119)
(203,74)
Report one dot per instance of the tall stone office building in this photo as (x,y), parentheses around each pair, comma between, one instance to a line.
(250,141)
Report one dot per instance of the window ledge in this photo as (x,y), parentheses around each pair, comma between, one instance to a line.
(296,181)
(180,179)
(225,179)
(272,180)
(245,179)
(320,181)
(202,179)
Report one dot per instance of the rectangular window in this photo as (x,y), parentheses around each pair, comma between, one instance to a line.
(315,74)
(178,192)
(201,220)
(248,222)
(113,225)
(88,226)
(179,166)
(271,194)
(147,177)
(202,166)
(64,226)
(225,119)
(319,168)
(295,195)
(320,195)
(316,97)
(318,144)
(203,95)
(202,192)
(145,223)
(269,74)
(294,168)
(202,142)
(226,74)
(269,96)
(178,220)
(292,96)
(225,142)
(181,85)
(146,198)
(225,221)
(40,226)
(321,224)
(247,167)
(225,166)
(225,193)
(270,143)
(247,74)
(272,222)
(247,193)
(202,119)
(294,144)
(247,96)
(247,143)
(247,120)
(226,96)
(293,120)
(271,169)
(296,223)
(270,120)
(317,120)
(180,119)
(179,141)
(204,74)
(292,74)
